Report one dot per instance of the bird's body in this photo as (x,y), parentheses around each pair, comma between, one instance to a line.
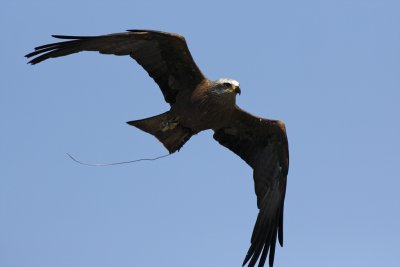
(209,106)
(197,104)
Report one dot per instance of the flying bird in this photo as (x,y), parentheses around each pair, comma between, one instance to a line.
(199,104)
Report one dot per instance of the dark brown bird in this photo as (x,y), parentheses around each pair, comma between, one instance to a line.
(199,104)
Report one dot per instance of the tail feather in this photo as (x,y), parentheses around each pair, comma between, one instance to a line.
(167,129)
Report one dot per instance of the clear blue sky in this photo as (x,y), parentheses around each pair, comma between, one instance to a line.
(329,69)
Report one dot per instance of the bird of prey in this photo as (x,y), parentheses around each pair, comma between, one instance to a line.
(199,104)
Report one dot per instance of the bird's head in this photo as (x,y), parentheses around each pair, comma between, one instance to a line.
(226,86)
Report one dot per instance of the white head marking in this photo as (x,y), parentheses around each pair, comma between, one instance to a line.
(228,80)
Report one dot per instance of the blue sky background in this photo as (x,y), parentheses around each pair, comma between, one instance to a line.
(328,69)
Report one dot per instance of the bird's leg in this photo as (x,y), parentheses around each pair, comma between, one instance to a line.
(169,125)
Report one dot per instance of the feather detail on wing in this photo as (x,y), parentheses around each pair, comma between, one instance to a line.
(263,145)
(165,56)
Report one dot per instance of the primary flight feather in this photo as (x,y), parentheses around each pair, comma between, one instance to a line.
(199,104)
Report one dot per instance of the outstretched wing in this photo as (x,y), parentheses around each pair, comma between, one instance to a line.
(165,56)
(262,144)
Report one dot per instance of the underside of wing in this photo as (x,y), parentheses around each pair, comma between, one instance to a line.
(165,56)
(262,144)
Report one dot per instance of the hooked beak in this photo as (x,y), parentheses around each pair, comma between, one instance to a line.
(237,90)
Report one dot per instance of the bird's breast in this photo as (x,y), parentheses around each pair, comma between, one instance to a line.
(204,111)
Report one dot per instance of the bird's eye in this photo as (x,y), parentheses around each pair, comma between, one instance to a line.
(227,85)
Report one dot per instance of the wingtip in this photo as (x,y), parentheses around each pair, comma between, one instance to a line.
(136,30)
(30,62)
(246,259)
(280,238)
(71,37)
(59,36)
(28,55)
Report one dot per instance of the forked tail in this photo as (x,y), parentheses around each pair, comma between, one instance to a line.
(166,128)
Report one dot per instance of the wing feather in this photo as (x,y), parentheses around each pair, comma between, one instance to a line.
(262,144)
(165,56)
